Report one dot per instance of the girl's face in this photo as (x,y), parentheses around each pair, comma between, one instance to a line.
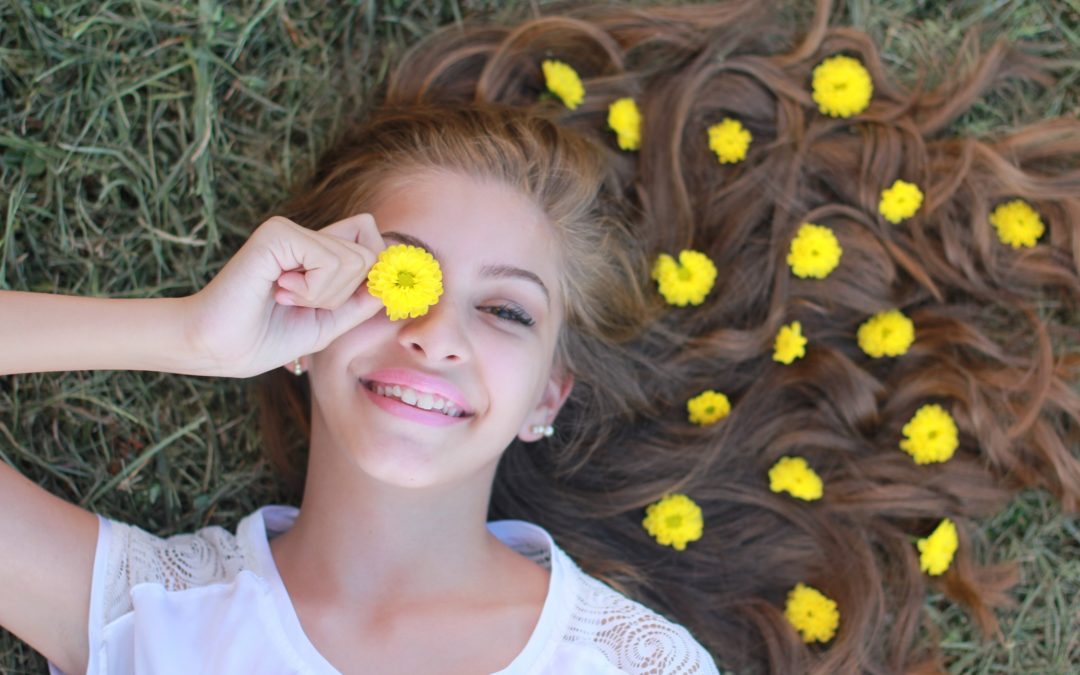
(487,346)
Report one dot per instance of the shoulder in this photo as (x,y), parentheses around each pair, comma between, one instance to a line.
(175,563)
(179,561)
(632,637)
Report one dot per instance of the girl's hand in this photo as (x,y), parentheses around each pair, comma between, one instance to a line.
(288,291)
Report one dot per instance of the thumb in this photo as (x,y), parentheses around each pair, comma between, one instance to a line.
(360,307)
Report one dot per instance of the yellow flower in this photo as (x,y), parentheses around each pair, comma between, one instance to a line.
(790,344)
(931,435)
(1017,223)
(887,333)
(687,281)
(708,407)
(564,82)
(729,140)
(842,86)
(407,279)
(814,252)
(674,521)
(900,201)
(794,476)
(624,118)
(813,613)
(936,551)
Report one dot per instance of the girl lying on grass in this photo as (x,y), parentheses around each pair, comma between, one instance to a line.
(625,340)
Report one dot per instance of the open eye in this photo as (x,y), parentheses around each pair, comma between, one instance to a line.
(511,313)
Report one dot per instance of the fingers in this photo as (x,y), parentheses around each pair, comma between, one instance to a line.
(359,229)
(323,268)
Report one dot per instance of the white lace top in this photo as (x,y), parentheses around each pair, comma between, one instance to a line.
(212,602)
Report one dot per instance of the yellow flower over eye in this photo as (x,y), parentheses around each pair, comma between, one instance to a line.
(687,281)
(708,407)
(1017,223)
(936,551)
(887,333)
(815,252)
(930,435)
(729,140)
(563,81)
(624,118)
(794,476)
(790,344)
(407,279)
(842,86)
(900,201)
(812,613)
(674,521)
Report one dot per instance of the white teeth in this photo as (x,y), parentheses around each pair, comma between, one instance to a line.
(422,400)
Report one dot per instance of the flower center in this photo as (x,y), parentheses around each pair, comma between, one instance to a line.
(406,279)
(684,274)
(674,521)
(710,410)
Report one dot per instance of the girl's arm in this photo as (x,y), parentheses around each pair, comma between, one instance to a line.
(287,292)
(42,332)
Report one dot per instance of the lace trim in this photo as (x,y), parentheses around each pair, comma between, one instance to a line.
(633,637)
(181,561)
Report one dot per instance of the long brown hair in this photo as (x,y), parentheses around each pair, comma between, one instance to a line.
(995,327)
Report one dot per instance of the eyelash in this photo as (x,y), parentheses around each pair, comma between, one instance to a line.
(515,314)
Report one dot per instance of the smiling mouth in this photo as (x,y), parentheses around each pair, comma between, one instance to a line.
(420,400)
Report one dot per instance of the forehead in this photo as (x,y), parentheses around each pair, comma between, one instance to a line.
(470,221)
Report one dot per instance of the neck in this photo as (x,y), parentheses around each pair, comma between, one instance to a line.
(363,542)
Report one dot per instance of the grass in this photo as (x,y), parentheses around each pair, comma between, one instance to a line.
(141,142)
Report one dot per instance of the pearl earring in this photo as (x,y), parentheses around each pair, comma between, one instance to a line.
(297,368)
(547,430)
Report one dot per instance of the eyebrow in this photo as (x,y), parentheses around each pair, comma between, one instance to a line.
(495,271)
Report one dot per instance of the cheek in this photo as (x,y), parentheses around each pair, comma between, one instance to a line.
(514,371)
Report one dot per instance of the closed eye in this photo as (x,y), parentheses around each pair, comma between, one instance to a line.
(510,313)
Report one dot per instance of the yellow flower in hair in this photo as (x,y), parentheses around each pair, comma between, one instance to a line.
(1017,223)
(887,333)
(815,252)
(790,344)
(674,521)
(407,279)
(729,140)
(624,118)
(812,613)
(794,476)
(900,201)
(842,86)
(936,551)
(930,435)
(708,407)
(687,281)
(564,82)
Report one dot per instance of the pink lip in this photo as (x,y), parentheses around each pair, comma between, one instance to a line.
(421,383)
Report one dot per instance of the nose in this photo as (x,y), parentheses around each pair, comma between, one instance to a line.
(438,335)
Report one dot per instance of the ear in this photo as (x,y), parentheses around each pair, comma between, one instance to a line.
(556,391)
